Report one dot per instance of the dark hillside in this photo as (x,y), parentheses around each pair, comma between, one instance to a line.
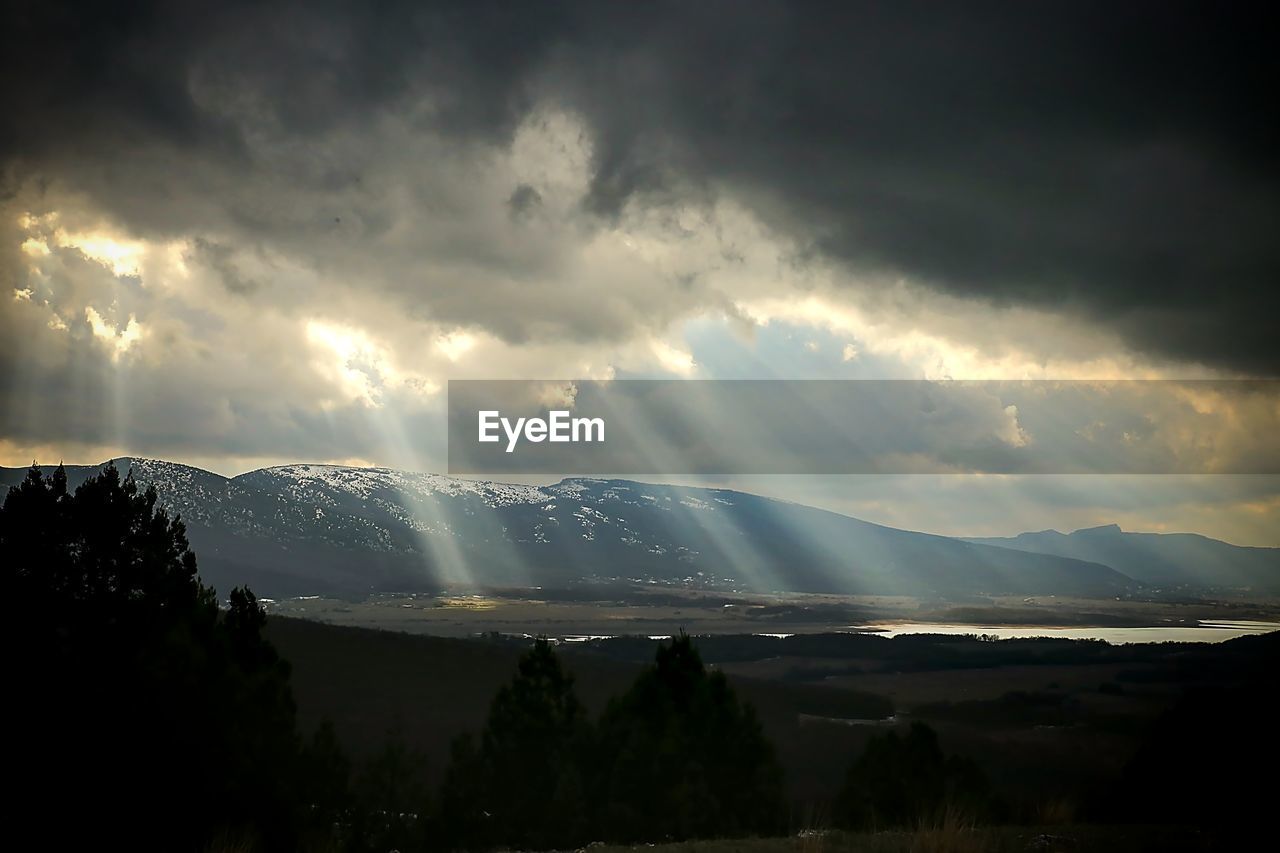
(368,682)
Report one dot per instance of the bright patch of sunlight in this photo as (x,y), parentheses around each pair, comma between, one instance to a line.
(35,247)
(359,366)
(467,602)
(119,339)
(455,345)
(350,359)
(677,361)
(122,256)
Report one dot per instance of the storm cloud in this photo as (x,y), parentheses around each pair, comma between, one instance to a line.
(241,233)
(1115,164)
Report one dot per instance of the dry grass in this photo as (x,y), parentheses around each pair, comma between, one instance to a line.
(952,832)
(230,842)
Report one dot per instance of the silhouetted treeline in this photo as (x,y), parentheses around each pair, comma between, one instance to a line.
(527,779)
(138,710)
(906,780)
(159,720)
(677,756)
(909,652)
(681,756)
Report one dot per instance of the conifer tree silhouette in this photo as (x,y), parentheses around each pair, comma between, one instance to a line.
(137,707)
(680,757)
(524,784)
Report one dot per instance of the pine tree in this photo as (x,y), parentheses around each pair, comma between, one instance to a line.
(137,707)
(524,783)
(679,757)
(899,781)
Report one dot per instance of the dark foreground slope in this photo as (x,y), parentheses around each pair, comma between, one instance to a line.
(1065,730)
(427,690)
(347,532)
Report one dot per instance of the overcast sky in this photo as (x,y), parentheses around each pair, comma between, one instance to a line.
(236,234)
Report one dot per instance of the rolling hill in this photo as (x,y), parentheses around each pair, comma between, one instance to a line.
(348,532)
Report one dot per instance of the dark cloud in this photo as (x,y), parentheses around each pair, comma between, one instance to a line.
(524,199)
(1115,163)
(220,259)
(81,76)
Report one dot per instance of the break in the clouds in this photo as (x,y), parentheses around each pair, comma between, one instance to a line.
(251,231)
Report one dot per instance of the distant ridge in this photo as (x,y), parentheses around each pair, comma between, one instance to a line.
(1164,560)
(343,531)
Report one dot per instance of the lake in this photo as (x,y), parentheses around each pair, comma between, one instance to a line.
(1215,631)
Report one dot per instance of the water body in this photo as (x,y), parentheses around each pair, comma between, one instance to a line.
(1215,631)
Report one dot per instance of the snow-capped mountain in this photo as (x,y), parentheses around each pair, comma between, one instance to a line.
(333,530)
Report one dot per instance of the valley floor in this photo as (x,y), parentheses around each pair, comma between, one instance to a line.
(1050,722)
(592,611)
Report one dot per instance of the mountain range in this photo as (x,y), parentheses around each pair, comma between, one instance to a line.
(1159,560)
(347,532)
